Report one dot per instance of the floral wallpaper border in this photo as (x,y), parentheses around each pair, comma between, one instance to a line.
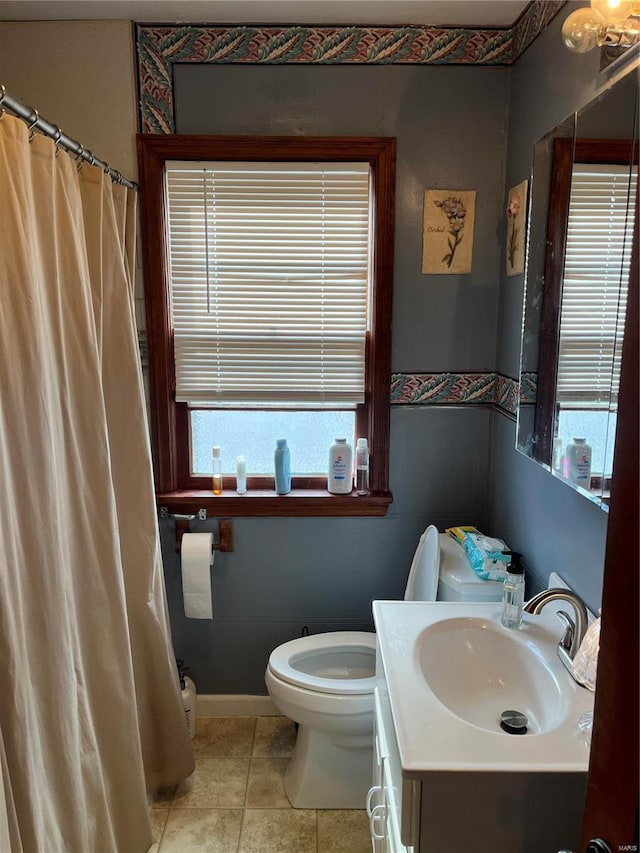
(159,48)
(456,388)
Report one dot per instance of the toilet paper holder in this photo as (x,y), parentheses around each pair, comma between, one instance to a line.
(225,528)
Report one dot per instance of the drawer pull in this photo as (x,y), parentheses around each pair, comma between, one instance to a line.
(370,795)
(378,813)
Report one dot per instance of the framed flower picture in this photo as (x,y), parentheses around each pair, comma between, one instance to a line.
(447,237)
(516,228)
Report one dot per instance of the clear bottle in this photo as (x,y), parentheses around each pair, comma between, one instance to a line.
(513,593)
(216,470)
(362,467)
(340,474)
(579,462)
(282,464)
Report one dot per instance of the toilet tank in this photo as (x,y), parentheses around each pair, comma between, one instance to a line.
(457,581)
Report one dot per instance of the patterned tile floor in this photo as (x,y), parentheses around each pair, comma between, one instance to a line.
(235,801)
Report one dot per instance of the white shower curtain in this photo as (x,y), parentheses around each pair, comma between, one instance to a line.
(90,710)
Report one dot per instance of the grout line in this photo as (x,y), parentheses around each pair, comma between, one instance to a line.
(244,811)
(317,834)
(253,739)
(246,787)
(166,820)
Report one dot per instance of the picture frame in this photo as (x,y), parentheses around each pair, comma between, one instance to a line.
(516,228)
(448,225)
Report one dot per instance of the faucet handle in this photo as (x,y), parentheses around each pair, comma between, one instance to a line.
(570,631)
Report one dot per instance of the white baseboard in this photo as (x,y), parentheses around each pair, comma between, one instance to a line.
(214,705)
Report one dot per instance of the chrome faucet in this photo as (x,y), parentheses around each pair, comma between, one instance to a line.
(574,631)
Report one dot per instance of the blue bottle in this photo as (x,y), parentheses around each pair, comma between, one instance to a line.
(282,460)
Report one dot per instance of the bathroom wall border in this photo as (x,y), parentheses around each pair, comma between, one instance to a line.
(160,48)
(486,388)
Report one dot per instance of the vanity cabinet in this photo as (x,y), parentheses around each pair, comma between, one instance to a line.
(393,802)
(454,811)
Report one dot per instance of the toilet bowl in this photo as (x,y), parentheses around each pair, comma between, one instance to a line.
(325,683)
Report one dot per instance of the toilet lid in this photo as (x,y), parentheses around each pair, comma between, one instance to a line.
(341,662)
(422,583)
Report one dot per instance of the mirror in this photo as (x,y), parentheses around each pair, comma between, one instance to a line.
(581,231)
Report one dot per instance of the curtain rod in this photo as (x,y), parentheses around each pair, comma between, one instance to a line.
(47,128)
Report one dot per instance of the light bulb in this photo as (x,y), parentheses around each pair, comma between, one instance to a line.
(583,29)
(613,11)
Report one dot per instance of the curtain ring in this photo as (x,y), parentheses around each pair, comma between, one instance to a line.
(79,158)
(31,126)
(56,140)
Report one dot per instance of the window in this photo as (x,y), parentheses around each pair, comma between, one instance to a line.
(594,303)
(268,266)
(587,271)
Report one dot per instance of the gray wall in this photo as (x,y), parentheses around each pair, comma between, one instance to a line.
(447,465)
(457,128)
(450,124)
(556,528)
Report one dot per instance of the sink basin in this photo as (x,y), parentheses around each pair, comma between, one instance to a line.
(477,670)
(451,669)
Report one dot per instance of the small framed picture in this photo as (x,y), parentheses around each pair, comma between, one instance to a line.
(447,238)
(516,228)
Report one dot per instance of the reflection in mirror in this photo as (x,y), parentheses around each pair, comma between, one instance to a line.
(580,238)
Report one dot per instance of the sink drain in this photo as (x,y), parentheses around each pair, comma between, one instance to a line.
(514,722)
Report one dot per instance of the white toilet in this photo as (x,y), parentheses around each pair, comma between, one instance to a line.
(325,683)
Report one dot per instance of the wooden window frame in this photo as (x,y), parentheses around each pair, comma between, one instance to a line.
(175,488)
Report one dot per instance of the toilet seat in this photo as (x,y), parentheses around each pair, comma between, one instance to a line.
(338,662)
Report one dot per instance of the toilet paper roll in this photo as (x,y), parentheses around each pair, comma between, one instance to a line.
(197,554)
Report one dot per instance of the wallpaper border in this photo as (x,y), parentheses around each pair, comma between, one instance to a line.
(161,47)
(485,388)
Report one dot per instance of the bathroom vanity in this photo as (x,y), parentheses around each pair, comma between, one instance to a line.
(446,777)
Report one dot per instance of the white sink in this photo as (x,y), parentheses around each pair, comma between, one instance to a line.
(477,670)
(452,669)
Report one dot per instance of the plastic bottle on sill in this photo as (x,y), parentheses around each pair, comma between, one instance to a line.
(241,475)
(340,467)
(216,470)
(579,462)
(282,464)
(362,467)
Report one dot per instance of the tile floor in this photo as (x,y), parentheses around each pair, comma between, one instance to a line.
(235,801)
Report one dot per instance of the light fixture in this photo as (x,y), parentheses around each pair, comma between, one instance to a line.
(613,24)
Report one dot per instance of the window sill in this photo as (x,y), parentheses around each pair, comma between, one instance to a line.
(298,503)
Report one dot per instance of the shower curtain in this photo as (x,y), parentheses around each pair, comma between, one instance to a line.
(91,716)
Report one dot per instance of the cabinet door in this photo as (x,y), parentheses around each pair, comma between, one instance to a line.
(376,805)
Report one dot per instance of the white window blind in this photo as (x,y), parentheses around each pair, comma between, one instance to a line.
(269,266)
(595,282)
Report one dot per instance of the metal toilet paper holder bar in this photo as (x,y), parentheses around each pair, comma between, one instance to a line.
(183,521)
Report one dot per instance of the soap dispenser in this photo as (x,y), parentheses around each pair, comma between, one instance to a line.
(513,592)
